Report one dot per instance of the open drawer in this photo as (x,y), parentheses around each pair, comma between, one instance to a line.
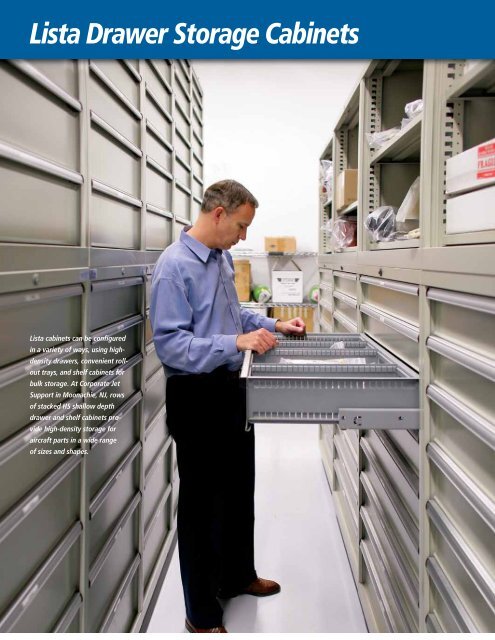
(347,379)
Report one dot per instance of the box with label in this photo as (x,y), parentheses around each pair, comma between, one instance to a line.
(287,284)
(472,211)
(346,192)
(242,270)
(280,244)
(471,169)
(287,313)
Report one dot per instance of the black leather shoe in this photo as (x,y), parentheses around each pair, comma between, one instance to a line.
(192,629)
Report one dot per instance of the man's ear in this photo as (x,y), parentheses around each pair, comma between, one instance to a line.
(217,213)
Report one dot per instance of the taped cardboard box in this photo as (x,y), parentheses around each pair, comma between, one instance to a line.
(346,192)
(280,244)
(472,211)
(287,284)
(242,269)
(471,169)
(287,313)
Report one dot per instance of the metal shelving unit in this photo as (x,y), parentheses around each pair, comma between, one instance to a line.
(422,549)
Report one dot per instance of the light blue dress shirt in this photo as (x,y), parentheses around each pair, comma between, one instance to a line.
(195,312)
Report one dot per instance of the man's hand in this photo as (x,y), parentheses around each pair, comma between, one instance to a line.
(260,341)
(295,327)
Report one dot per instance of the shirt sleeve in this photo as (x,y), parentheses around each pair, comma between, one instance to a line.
(171,319)
(251,321)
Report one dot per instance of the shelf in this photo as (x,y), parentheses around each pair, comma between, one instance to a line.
(274,254)
(478,82)
(349,209)
(268,305)
(405,145)
(395,244)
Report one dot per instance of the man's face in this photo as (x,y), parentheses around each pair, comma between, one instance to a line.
(233,227)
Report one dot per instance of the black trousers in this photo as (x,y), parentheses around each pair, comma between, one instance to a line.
(206,415)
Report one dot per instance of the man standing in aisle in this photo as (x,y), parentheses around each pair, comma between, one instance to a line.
(200,330)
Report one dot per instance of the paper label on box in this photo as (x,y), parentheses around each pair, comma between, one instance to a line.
(486,161)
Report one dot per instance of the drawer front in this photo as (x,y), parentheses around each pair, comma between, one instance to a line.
(154,396)
(54,312)
(122,435)
(197,145)
(157,481)
(197,122)
(197,188)
(122,172)
(465,325)
(62,72)
(157,149)
(403,346)
(21,471)
(183,146)
(182,97)
(155,538)
(126,609)
(121,77)
(159,229)
(158,188)
(347,308)
(152,363)
(345,283)
(33,120)
(197,166)
(114,301)
(157,77)
(183,74)
(183,172)
(160,120)
(400,299)
(108,106)
(155,437)
(118,347)
(182,122)
(182,202)
(114,223)
(56,202)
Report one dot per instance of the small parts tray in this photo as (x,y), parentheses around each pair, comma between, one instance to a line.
(345,379)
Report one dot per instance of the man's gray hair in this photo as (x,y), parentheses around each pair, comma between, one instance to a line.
(228,194)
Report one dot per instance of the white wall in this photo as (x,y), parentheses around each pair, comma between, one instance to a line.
(266,124)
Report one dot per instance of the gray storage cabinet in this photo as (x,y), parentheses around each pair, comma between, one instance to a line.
(417,508)
(101,164)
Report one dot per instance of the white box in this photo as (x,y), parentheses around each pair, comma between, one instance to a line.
(471,169)
(287,286)
(473,211)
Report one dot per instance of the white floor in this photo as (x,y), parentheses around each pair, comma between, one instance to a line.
(298,543)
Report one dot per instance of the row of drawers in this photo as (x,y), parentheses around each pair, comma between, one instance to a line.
(41,168)
(460,414)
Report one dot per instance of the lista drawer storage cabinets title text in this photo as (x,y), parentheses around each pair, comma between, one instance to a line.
(101,166)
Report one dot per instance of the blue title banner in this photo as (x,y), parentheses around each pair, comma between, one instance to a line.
(251,30)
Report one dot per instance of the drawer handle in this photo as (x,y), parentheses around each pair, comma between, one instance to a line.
(27,600)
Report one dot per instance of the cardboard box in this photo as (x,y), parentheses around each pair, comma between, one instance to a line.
(280,244)
(287,284)
(242,270)
(346,192)
(471,169)
(287,313)
(472,211)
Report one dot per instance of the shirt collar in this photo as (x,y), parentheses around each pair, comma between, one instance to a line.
(201,250)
